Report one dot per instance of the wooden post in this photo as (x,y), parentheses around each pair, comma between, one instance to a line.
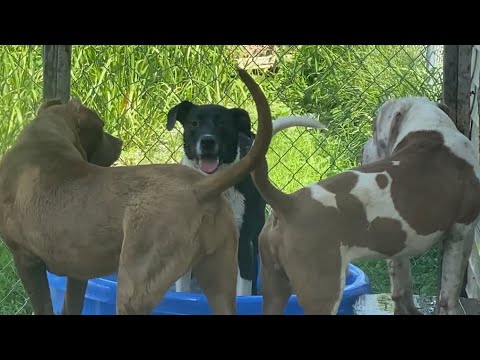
(457,84)
(56,72)
(456,95)
(450,81)
(464,89)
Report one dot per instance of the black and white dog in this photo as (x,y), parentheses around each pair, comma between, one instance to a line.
(214,137)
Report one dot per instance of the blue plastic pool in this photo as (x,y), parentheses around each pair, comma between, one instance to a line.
(100,298)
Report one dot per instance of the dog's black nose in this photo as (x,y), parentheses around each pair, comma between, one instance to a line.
(207,142)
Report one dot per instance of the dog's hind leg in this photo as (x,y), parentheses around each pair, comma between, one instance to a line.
(74,296)
(457,249)
(275,284)
(318,283)
(33,275)
(149,265)
(275,290)
(217,277)
(144,280)
(401,286)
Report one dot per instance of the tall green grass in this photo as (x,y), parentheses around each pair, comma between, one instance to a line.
(20,89)
(133,87)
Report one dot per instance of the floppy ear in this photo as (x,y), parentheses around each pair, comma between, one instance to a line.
(84,116)
(395,120)
(178,112)
(49,102)
(242,121)
(75,105)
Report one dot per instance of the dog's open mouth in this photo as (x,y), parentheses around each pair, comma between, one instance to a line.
(208,164)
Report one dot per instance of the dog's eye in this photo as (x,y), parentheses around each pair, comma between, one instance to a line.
(194,123)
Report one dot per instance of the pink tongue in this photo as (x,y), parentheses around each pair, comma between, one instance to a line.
(208,165)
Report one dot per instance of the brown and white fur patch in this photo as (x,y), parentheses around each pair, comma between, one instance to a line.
(395,121)
(418,185)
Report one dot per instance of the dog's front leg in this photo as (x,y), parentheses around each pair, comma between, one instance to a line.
(32,273)
(74,296)
(401,286)
(457,249)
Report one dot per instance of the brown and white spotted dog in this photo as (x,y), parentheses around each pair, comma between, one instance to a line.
(419,184)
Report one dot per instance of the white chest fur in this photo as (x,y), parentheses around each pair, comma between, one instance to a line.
(237,202)
(234,197)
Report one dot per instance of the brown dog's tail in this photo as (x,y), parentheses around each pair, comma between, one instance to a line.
(213,185)
(278,200)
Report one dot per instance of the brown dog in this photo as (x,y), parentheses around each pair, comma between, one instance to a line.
(61,212)
(419,185)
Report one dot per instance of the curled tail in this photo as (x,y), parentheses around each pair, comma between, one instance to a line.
(277,199)
(285,122)
(213,185)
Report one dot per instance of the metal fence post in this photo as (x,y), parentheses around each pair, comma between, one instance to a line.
(456,95)
(457,84)
(56,71)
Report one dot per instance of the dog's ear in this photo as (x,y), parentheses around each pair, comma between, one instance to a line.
(84,117)
(89,127)
(242,121)
(388,123)
(96,146)
(75,105)
(49,102)
(178,112)
(398,113)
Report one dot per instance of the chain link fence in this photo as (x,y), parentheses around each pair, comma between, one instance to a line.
(133,87)
(20,95)
(473,272)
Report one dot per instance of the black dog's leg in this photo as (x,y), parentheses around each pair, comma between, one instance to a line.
(253,221)
(258,223)
(248,259)
(245,254)
(256,264)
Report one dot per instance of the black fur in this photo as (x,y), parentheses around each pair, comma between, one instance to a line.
(253,220)
(229,131)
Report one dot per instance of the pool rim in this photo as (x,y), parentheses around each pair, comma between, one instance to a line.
(104,290)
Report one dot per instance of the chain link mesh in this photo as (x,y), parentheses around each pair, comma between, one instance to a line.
(133,87)
(21,93)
